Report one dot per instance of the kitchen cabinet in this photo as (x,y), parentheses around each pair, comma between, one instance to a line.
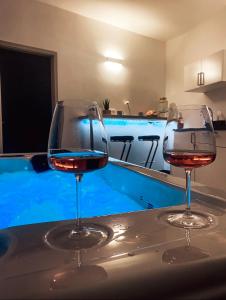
(206,74)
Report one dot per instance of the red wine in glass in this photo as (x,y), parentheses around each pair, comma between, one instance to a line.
(75,162)
(189,142)
(189,159)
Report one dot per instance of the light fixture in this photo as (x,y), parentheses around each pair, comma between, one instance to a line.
(113,64)
(114,60)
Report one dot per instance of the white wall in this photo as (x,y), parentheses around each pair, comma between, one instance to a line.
(81,44)
(205,39)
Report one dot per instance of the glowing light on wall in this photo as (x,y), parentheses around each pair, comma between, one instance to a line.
(113,60)
(113,64)
(113,54)
(112,67)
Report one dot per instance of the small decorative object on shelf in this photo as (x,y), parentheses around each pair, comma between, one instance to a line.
(173,112)
(113,111)
(163,107)
(180,124)
(127,103)
(151,113)
(119,112)
(106,105)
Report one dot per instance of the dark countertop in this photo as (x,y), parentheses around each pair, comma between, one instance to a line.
(144,257)
(219,125)
(133,117)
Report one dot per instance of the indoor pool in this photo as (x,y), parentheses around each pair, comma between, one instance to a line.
(30,197)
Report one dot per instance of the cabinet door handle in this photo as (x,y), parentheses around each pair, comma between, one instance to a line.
(202,78)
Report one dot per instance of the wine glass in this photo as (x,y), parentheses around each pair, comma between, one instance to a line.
(77,144)
(189,143)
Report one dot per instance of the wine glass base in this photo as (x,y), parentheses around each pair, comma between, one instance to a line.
(67,237)
(193,220)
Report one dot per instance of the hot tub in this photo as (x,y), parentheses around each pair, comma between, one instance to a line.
(143,254)
(29,197)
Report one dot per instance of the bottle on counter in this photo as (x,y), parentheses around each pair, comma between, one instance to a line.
(173,112)
(163,107)
(180,124)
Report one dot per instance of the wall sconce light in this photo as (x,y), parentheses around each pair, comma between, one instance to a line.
(114,60)
(113,64)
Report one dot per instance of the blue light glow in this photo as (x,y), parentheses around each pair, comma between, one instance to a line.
(87,122)
(126,122)
(133,122)
(28,197)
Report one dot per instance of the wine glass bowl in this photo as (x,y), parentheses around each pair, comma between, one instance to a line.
(189,143)
(77,141)
(77,144)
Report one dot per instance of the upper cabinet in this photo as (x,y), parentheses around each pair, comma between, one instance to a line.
(206,74)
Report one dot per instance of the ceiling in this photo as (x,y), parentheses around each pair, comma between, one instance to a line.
(159,19)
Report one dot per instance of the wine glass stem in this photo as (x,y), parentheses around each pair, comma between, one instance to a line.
(78,178)
(188,237)
(188,191)
(77,258)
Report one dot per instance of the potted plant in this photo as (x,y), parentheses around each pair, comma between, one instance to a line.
(106,105)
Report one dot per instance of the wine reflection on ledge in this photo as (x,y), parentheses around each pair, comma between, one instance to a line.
(77,275)
(184,254)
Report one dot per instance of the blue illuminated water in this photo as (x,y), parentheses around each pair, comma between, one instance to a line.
(27,197)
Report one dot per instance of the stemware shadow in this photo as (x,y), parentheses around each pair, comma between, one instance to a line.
(77,275)
(184,254)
